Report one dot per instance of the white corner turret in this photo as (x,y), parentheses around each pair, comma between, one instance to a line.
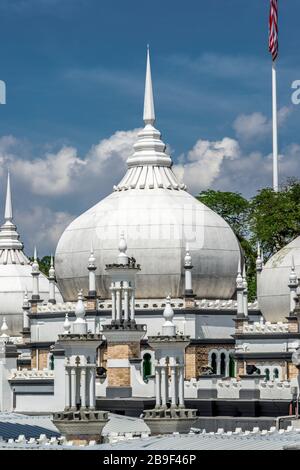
(122,256)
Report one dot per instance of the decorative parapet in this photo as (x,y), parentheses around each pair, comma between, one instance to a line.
(265,328)
(149,304)
(25,374)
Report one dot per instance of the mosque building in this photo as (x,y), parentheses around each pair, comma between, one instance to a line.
(148,288)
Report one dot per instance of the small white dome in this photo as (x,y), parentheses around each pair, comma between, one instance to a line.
(15,272)
(273,291)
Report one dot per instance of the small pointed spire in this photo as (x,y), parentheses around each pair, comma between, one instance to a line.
(26,303)
(245,283)
(4,329)
(92,258)
(187,258)
(239,278)
(293,279)
(51,269)
(149,113)
(259,263)
(8,214)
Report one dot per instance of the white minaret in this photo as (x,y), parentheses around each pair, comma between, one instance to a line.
(245,292)
(293,285)
(26,309)
(168,328)
(92,273)
(240,291)
(188,272)
(80,325)
(35,272)
(122,256)
(51,278)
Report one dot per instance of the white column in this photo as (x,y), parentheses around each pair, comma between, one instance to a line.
(245,300)
(118,304)
(67,388)
(132,304)
(218,360)
(173,385)
(126,301)
(181,385)
(240,302)
(157,386)
(275,137)
(83,387)
(293,293)
(188,279)
(113,302)
(52,289)
(92,280)
(164,384)
(92,387)
(73,388)
(227,360)
(35,285)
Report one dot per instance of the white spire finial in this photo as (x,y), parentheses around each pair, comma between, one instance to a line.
(293,279)
(259,262)
(80,324)
(149,113)
(187,258)
(67,324)
(92,258)
(51,269)
(4,329)
(168,328)
(8,214)
(122,256)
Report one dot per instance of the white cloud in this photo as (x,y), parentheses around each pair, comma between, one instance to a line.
(257,125)
(204,162)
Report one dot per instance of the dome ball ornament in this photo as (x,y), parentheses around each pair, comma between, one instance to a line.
(168,328)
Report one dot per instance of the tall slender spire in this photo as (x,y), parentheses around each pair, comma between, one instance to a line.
(8,214)
(149,113)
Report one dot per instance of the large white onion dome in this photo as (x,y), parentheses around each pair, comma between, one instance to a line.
(158,217)
(15,272)
(273,291)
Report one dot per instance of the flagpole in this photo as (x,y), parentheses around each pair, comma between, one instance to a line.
(275,128)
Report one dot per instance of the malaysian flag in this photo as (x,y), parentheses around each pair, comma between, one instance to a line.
(273,29)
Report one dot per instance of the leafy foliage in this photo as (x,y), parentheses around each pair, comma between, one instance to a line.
(271,218)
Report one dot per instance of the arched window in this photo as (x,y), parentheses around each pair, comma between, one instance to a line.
(147,365)
(276,374)
(223,364)
(231,367)
(213,362)
(267,373)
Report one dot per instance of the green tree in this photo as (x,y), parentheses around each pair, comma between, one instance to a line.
(274,217)
(235,209)
(44,264)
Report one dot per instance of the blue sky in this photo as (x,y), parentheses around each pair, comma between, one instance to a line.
(74,71)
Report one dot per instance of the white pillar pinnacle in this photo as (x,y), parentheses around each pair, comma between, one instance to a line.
(245,292)
(259,261)
(67,324)
(293,285)
(149,113)
(122,256)
(51,278)
(26,308)
(92,275)
(239,292)
(35,272)
(8,213)
(188,271)
(4,329)
(80,325)
(168,328)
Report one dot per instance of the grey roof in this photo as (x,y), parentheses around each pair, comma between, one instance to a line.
(251,441)
(123,424)
(12,425)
